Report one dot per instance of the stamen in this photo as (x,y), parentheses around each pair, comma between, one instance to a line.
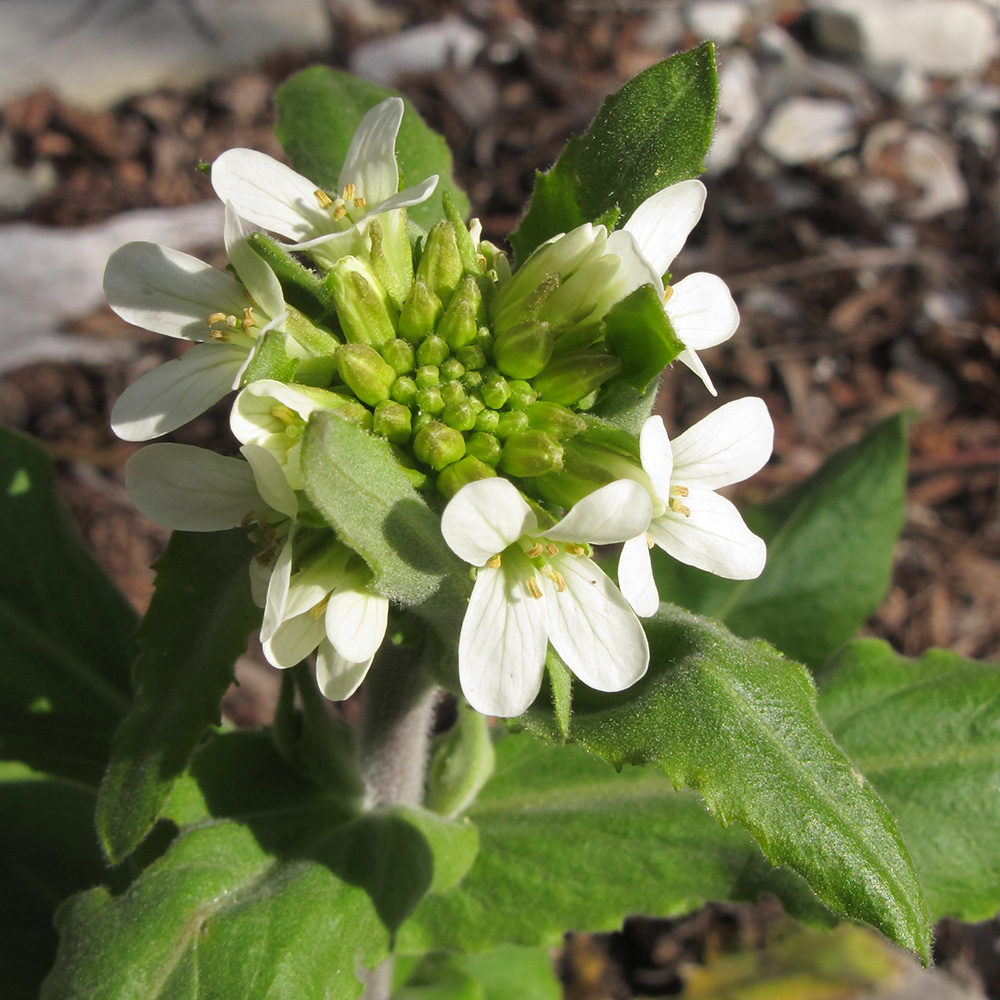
(349,192)
(551,550)
(318,610)
(667,293)
(339,212)
(216,318)
(534,589)
(281,412)
(360,202)
(679,491)
(325,201)
(535,551)
(676,505)
(219,335)
(572,549)
(248,519)
(555,576)
(495,562)
(649,541)
(248,320)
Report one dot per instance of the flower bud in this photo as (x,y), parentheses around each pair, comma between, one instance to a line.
(362,303)
(463,472)
(427,376)
(574,375)
(357,414)
(531,453)
(588,294)
(432,351)
(459,415)
(523,350)
(393,421)
(420,312)
(495,391)
(398,354)
(460,322)
(472,380)
(391,256)
(452,392)
(472,356)
(367,375)
(512,422)
(441,263)
(586,467)
(438,445)
(452,369)
(522,395)
(487,421)
(430,400)
(404,390)
(554,418)
(485,447)
(527,308)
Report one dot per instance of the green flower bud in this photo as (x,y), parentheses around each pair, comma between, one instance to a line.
(441,263)
(460,323)
(461,473)
(522,395)
(522,310)
(399,354)
(554,418)
(432,351)
(471,262)
(430,400)
(586,467)
(357,414)
(512,422)
(475,402)
(452,392)
(588,294)
(420,312)
(484,339)
(368,376)
(495,391)
(363,306)
(523,350)
(531,453)
(486,447)
(574,375)
(486,421)
(452,369)
(404,390)
(427,376)
(391,257)
(421,420)
(438,445)
(459,416)
(472,380)
(393,421)
(472,356)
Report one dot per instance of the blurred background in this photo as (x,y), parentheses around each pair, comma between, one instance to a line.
(853,209)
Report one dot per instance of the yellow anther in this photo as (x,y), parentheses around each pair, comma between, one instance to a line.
(349,191)
(573,549)
(535,551)
(248,519)
(649,541)
(318,610)
(325,201)
(360,202)
(555,576)
(551,550)
(679,491)
(667,293)
(219,335)
(248,320)
(283,413)
(495,562)
(216,318)
(676,505)
(339,212)
(534,589)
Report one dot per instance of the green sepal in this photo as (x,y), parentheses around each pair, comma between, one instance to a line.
(561,683)
(270,360)
(461,764)
(638,330)
(300,286)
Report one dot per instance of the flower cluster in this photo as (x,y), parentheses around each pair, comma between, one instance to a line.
(485,383)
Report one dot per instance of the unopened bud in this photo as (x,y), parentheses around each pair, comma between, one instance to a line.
(460,322)
(441,263)
(363,306)
(572,376)
(398,354)
(560,422)
(588,294)
(486,447)
(427,376)
(404,390)
(452,369)
(472,380)
(392,420)
(531,453)
(459,415)
(438,445)
(495,391)
(430,400)
(391,257)
(432,351)
(522,395)
(523,350)
(586,467)
(527,308)
(472,356)
(353,411)
(452,392)
(486,421)
(368,376)
(466,470)
(512,422)
(420,312)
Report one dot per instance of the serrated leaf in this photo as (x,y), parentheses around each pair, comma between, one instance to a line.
(738,722)
(830,542)
(198,623)
(926,733)
(358,486)
(653,132)
(319,110)
(271,890)
(65,629)
(567,842)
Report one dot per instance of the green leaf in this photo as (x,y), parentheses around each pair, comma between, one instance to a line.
(198,623)
(272,889)
(506,973)
(652,133)
(738,722)
(461,764)
(567,842)
(64,628)
(829,553)
(926,733)
(319,110)
(360,488)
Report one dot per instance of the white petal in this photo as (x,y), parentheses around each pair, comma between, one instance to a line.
(271,482)
(277,590)
(702,311)
(167,291)
(657,456)
(663,222)
(501,651)
(714,538)
(620,510)
(191,489)
(414,195)
(338,678)
(635,271)
(356,621)
(269,194)
(635,577)
(592,627)
(693,362)
(254,272)
(293,640)
(483,518)
(176,392)
(370,164)
(728,446)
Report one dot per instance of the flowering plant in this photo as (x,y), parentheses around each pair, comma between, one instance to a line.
(441,444)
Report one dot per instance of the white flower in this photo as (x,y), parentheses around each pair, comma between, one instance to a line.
(536,586)
(275,197)
(172,293)
(690,520)
(700,307)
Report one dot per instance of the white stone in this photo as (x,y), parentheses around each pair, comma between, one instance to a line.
(94,54)
(720,20)
(931,163)
(424,49)
(803,129)
(739,110)
(20,187)
(938,37)
(49,276)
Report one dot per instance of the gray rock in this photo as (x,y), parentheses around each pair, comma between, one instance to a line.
(739,110)
(721,20)
(424,49)
(20,187)
(803,129)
